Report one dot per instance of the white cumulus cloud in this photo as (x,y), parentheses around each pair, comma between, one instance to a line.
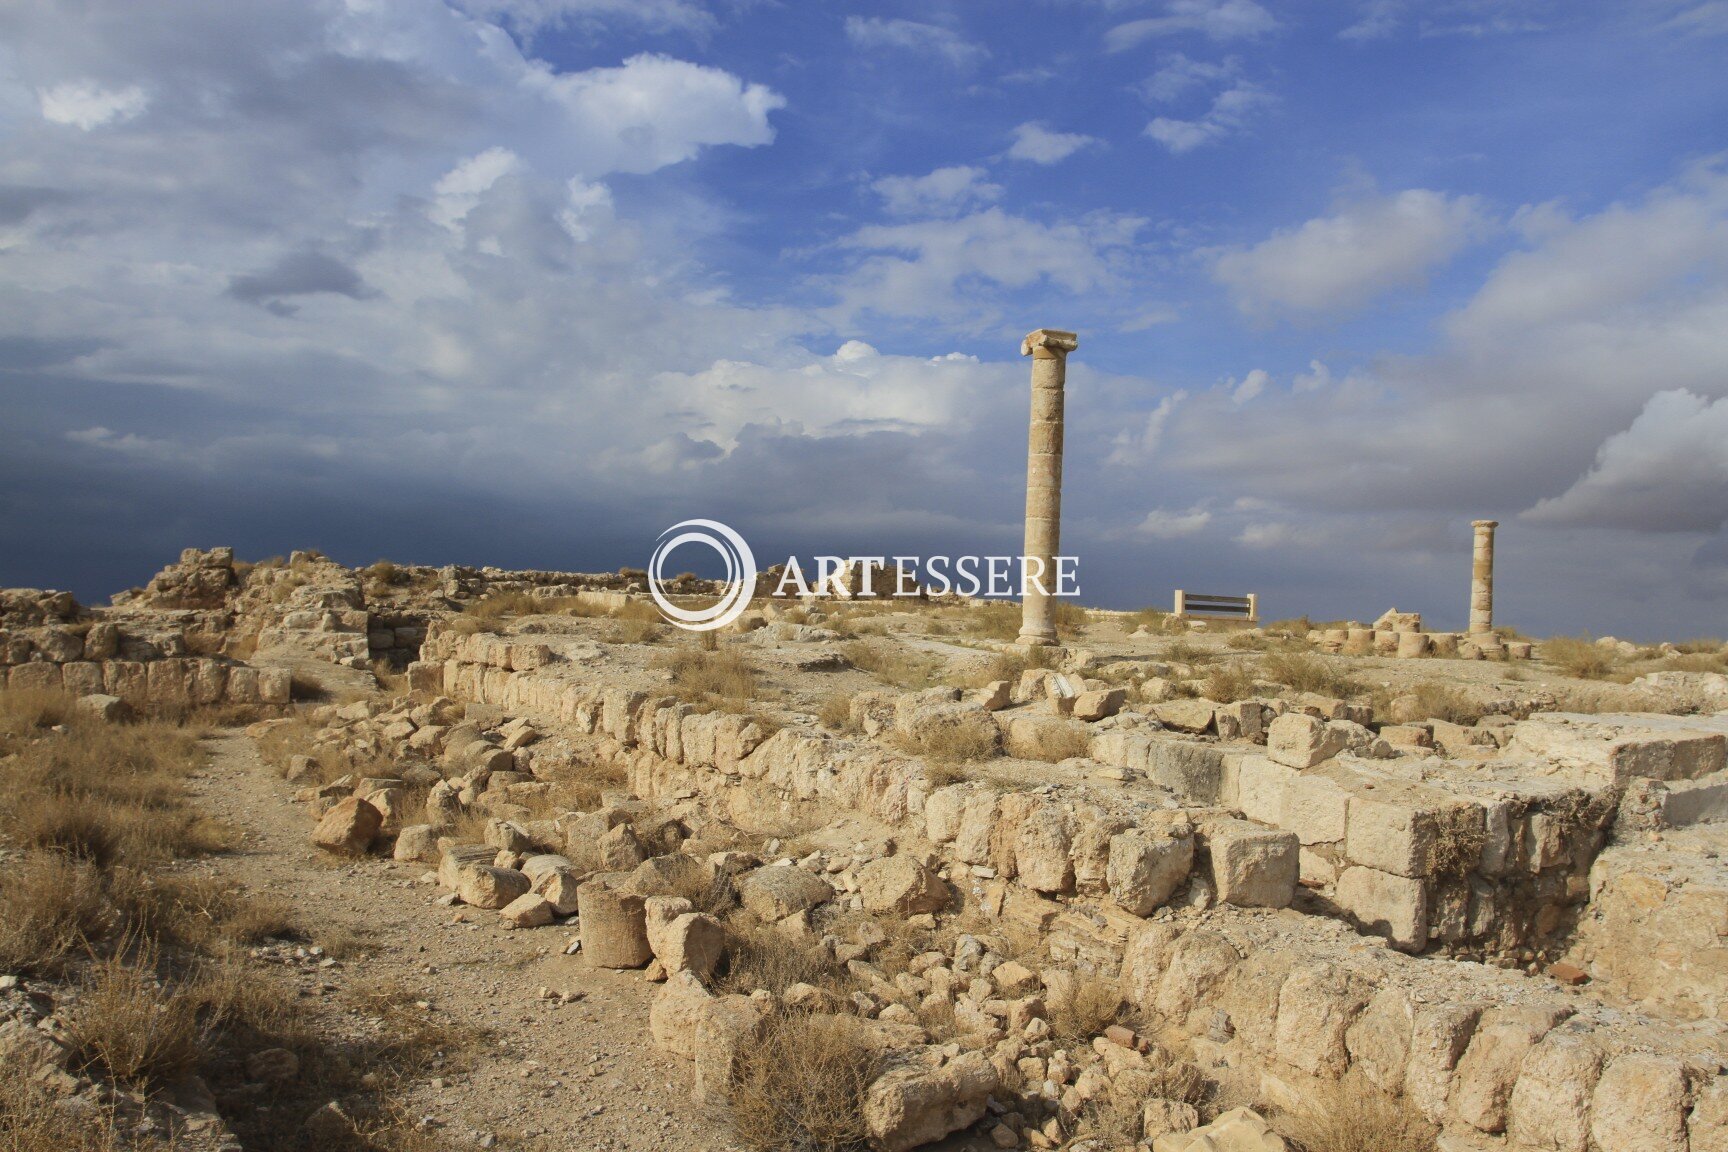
(1165,524)
(1339,262)
(87,105)
(1039,145)
(943,190)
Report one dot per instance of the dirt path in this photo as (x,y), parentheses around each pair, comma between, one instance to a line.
(582,1075)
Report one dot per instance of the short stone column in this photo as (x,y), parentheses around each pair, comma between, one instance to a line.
(1049,351)
(1482,577)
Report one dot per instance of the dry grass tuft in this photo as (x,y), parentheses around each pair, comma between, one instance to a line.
(763,957)
(1302,672)
(51,907)
(132,1026)
(33,1119)
(893,664)
(1577,656)
(717,676)
(801,1089)
(1351,1116)
(31,710)
(1435,701)
(951,743)
(1228,683)
(835,712)
(1083,1010)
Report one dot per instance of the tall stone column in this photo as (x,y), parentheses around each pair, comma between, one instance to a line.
(1049,351)
(1482,577)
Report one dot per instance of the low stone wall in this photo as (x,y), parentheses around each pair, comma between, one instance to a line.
(177,682)
(1497,1058)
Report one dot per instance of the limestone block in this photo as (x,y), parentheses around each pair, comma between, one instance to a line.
(902,885)
(529,910)
(614,926)
(676,1013)
(726,1028)
(275,685)
(1410,835)
(1260,787)
(1042,837)
(35,677)
(1032,736)
(453,858)
(1388,905)
(1147,868)
(1315,808)
(1550,1105)
(943,810)
(1379,1039)
(1197,966)
(416,842)
(1097,705)
(1439,1036)
(1640,1105)
(908,1107)
(1316,1007)
(1489,1069)
(972,839)
(620,849)
(1707,1126)
(1301,741)
(1239,1130)
(108,709)
(1192,770)
(775,892)
(1194,716)
(1252,867)
(694,942)
(348,828)
(487,886)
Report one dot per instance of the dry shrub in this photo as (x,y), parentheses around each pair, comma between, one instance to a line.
(1228,683)
(1302,672)
(942,773)
(1083,1009)
(131,1025)
(496,606)
(892,664)
(835,712)
(1064,744)
(764,957)
(707,892)
(1246,641)
(1152,619)
(1577,656)
(632,631)
(718,676)
(990,620)
(1351,1116)
(32,1119)
(28,710)
(1435,701)
(802,1088)
(50,908)
(951,743)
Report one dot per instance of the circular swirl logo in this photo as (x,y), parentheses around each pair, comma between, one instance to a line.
(740,574)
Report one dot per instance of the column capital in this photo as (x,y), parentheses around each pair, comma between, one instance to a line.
(1048,343)
(1484,523)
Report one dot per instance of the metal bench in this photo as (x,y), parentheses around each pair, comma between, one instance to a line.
(1204,604)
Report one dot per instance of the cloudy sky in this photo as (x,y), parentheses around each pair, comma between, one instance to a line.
(525,281)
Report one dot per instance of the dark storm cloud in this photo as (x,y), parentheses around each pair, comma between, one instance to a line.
(299,274)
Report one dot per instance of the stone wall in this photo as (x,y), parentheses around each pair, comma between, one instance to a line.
(1183,898)
(155,684)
